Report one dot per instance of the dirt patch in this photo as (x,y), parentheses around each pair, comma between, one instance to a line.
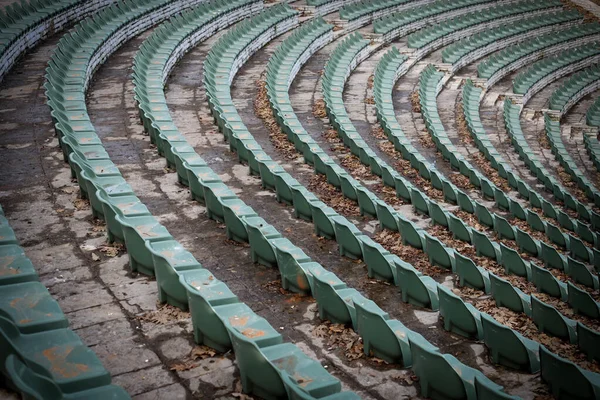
(319,109)
(262,109)
(415,101)
(165,314)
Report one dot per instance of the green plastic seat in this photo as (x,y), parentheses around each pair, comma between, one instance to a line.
(214,195)
(415,288)
(545,282)
(582,302)
(437,214)
(549,320)
(170,260)
(124,206)
(459,317)
(335,299)
(348,238)
(470,274)
(386,215)
(58,355)
(535,221)
(513,263)
(35,386)
(382,336)
(506,295)
(205,293)
(323,219)
(235,213)
(579,250)
(260,234)
(136,231)
(198,178)
(588,340)
(438,253)
(30,308)
(556,236)
(527,243)
(459,229)
(581,274)
(380,262)
(508,347)
(410,234)
(567,380)
(419,201)
(15,267)
(289,260)
(484,246)
(483,215)
(552,258)
(442,376)
(504,229)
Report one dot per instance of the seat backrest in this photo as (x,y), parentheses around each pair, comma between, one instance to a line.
(432,367)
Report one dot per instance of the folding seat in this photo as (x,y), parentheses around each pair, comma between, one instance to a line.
(323,219)
(552,258)
(443,376)
(484,246)
(437,214)
(450,194)
(565,221)
(508,347)
(347,235)
(585,233)
(366,201)
(382,336)
(420,201)
(545,282)
(33,385)
(502,200)
(555,235)
(464,202)
(410,233)
(588,340)
(566,379)
(581,274)
(334,299)
(579,250)
(403,189)
(415,288)
(534,221)
(171,260)
(136,231)
(582,302)
(290,260)
(549,320)
(506,295)
(58,354)
(30,308)
(459,317)
(458,228)
(517,210)
(527,243)
(262,367)
(386,215)
(470,274)
(380,262)
(438,253)
(348,186)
